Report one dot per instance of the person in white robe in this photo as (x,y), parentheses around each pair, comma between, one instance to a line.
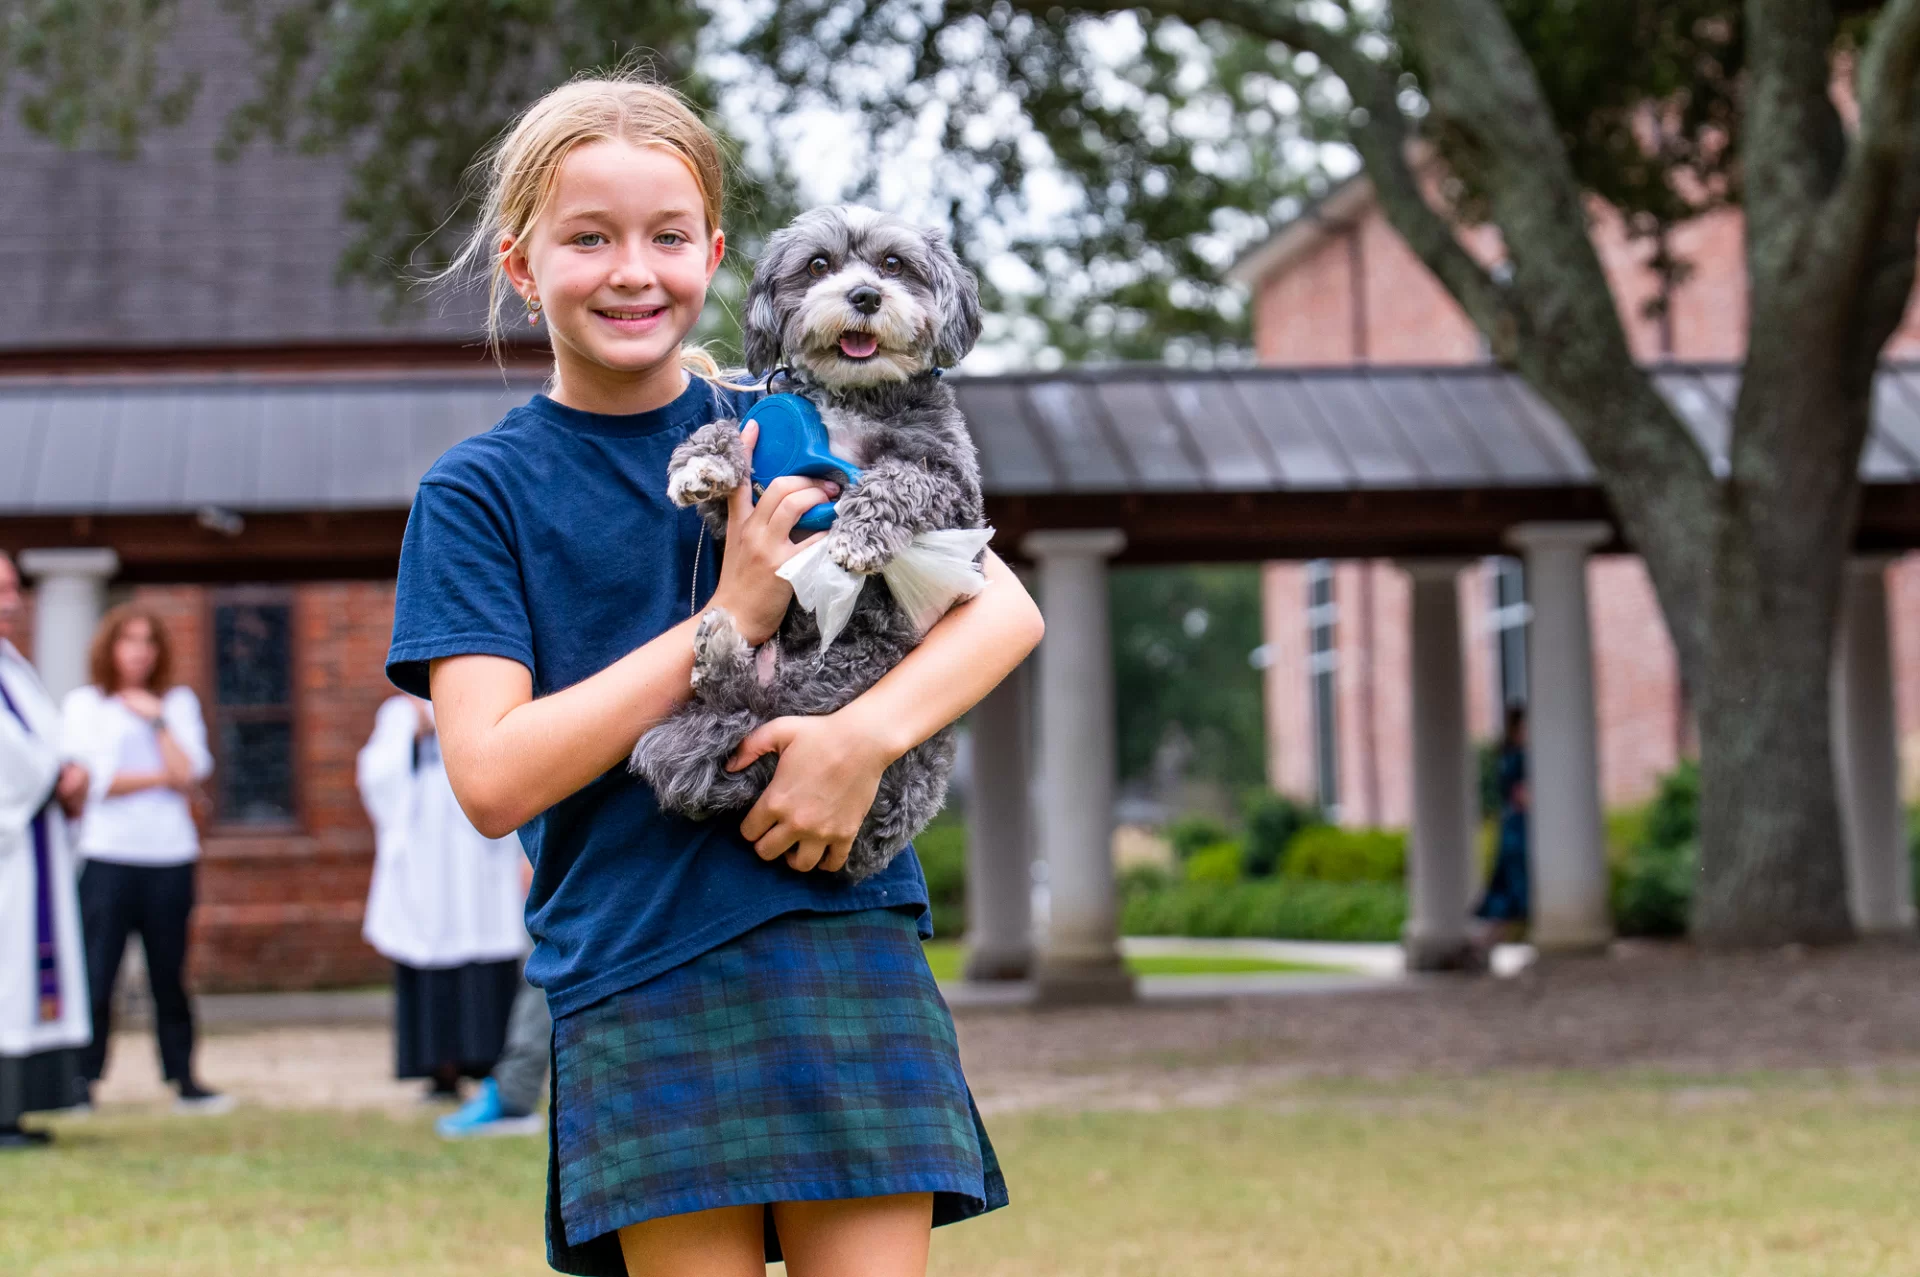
(44,1017)
(445,906)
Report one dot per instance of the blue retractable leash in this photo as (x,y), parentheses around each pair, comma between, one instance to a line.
(793,440)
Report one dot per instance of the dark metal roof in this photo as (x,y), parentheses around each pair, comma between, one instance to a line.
(317,442)
(179,248)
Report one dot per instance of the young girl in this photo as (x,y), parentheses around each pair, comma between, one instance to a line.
(751,1057)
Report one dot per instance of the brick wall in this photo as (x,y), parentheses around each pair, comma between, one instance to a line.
(1636,682)
(284,911)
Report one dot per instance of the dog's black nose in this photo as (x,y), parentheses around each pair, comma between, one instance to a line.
(864,298)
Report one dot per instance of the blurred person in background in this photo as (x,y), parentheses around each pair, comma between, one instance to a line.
(145,746)
(508,1096)
(44,1022)
(1505,908)
(445,906)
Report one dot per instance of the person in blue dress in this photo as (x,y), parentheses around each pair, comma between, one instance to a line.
(1507,905)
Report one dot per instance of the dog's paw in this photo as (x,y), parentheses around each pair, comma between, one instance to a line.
(702,478)
(717,646)
(859,552)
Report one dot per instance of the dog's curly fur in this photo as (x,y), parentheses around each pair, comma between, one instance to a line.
(889,414)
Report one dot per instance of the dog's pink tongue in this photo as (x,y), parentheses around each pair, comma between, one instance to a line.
(858,345)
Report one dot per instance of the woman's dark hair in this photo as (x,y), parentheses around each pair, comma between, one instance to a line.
(100,652)
(1516,723)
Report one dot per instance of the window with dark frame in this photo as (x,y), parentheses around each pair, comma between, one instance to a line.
(1509,620)
(252,726)
(1323,663)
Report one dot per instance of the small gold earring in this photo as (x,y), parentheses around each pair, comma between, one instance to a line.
(533,311)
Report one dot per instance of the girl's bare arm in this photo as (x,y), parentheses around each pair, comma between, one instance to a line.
(511,756)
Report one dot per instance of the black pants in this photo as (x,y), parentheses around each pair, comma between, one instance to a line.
(156,901)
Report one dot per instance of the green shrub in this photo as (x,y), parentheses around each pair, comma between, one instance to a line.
(1651,884)
(1276,909)
(1190,833)
(942,848)
(1913,848)
(1217,863)
(1328,853)
(1144,878)
(1626,829)
(1486,760)
(1272,821)
(1673,817)
(1652,891)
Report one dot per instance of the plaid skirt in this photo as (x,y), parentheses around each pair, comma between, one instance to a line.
(810,1059)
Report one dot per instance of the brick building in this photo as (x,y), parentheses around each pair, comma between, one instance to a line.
(176,265)
(1338,288)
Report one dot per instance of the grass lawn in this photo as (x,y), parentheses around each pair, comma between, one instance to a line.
(1569,1176)
(947,957)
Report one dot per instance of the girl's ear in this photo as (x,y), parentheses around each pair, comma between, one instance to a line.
(956,299)
(717,251)
(513,263)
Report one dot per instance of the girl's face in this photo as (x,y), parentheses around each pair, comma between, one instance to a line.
(135,653)
(620,261)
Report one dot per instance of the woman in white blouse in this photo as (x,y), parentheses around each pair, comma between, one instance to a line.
(145,746)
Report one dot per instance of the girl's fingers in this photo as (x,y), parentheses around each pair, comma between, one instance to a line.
(760,820)
(792,508)
(806,855)
(777,492)
(776,843)
(768,738)
(836,857)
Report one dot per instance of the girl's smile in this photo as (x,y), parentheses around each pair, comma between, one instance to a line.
(619,257)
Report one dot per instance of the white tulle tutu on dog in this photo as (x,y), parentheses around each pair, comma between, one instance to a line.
(934,572)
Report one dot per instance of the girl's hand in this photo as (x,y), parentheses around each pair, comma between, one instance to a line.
(759,540)
(812,808)
(141,702)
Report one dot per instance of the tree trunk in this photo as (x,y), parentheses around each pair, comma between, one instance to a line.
(1771,867)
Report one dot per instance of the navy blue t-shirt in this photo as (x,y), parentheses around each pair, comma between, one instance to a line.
(549,540)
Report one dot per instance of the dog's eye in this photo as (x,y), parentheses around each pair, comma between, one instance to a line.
(890,265)
(818,266)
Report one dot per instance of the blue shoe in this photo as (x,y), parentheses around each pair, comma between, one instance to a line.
(485,1115)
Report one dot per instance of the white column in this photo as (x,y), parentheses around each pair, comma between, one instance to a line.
(1567,849)
(1080,960)
(1000,833)
(1866,755)
(69,594)
(1440,870)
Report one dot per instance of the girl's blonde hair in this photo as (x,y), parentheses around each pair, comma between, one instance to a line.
(518,170)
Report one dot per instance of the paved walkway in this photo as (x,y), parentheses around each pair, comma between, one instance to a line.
(1661,1008)
(1352,966)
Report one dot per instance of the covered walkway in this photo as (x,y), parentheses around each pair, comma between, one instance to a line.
(251,477)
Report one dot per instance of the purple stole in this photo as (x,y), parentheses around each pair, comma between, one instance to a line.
(45,951)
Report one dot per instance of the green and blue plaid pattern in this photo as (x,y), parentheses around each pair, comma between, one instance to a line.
(809,1059)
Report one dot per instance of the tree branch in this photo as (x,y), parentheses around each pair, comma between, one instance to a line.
(1875,200)
(1792,139)
(1556,321)
(1383,140)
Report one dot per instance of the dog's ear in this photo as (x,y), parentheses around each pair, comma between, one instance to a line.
(956,301)
(760,326)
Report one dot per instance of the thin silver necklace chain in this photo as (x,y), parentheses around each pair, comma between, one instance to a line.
(693,588)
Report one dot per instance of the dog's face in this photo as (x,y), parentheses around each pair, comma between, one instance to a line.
(858,298)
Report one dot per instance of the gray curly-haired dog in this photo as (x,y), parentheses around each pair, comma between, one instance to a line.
(866,310)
